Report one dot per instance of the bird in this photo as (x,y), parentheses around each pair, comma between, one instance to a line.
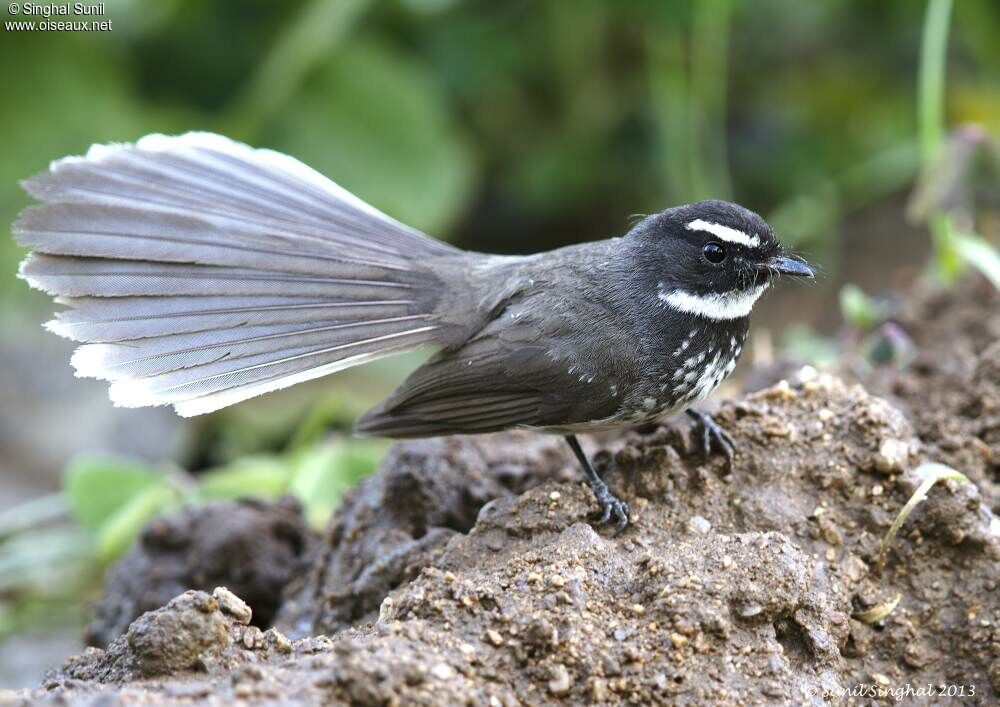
(198,272)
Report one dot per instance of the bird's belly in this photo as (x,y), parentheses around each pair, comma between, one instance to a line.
(684,375)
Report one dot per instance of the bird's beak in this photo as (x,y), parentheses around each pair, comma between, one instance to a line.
(786,265)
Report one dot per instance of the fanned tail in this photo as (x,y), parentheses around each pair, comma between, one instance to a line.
(200,272)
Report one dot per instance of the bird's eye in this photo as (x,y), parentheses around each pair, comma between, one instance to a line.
(714,253)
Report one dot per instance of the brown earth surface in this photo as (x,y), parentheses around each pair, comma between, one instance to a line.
(466,571)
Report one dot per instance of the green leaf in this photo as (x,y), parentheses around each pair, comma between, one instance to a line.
(803,342)
(96,487)
(980,253)
(121,528)
(859,310)
(325,472)
(311,36)
(258,477)
(378,123)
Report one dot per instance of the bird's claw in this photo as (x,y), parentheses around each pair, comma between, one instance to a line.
(612,507)
(713,436)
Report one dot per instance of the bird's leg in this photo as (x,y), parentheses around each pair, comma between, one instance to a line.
(611,505)
(712,435)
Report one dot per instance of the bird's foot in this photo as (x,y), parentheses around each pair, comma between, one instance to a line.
(713,436)
(612,507)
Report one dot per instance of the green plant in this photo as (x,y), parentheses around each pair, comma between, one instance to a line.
(955,242)
(689,83)
(859,310)
(929,474)
(53,549)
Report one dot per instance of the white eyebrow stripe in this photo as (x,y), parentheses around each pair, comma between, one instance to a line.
(730,235)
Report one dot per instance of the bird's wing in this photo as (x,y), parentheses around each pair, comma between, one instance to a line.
(510,374)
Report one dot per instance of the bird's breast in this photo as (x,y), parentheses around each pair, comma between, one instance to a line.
(689,366)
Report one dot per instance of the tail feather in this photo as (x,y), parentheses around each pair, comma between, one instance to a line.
(95,277)
(213,175)
(164,354)
(110,320)
(222,382)
(104,231)
(200,272)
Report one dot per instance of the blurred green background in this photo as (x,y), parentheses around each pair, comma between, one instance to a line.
(508,127)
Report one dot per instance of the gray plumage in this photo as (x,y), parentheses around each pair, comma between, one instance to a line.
(199,272)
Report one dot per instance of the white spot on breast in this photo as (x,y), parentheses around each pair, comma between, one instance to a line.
(695,360)
(649,403)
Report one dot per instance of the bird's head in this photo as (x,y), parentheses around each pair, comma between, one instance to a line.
(712,258)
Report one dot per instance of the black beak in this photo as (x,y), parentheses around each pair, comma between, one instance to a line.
(786,265)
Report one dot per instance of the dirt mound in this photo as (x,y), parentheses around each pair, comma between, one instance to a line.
(255,548)
(738,586)
(400,520)
(951,390)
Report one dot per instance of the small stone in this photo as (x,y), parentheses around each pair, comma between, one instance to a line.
(638,609)
(443,671)
(558,581)
(994,673)
(466,649)
(916,656)
(494,637)
(560,682)
(751,610)
(598,690)
(386,610)
(232,605)
(775,427)
(534,577)
(678,640)
(620,635)
(449,577)
(275,639)
(253,637)
(807,374)
(831,534)
(555,496)
(700,525)
(881,679)
(779,391)
(727,561)
(892,456)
